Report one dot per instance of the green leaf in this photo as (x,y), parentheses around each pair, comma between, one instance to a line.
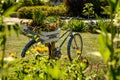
(117,50)
(16,28)
(114,4)
(55,72)
(28,77)
(104,49)
(10,10)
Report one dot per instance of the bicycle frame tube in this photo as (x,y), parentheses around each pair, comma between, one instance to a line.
(70,32)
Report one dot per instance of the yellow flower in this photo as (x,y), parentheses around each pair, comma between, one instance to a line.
(38,49)
(27,53)
(84,60)
(78,52)
(35,49)
(45,49)
(12,55)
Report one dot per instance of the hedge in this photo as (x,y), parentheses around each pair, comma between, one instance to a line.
(26,12)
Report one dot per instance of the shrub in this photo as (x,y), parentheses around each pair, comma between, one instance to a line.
(31,2)
(25,12)
(77,25)
(105,24)
(92,27)
(27,2)
(51,19)
(38,17)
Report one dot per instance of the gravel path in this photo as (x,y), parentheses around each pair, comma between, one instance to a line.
(11,21)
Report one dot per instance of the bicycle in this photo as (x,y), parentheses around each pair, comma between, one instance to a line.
(74,46)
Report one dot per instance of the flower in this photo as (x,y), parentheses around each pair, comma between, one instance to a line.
(45,49)
(9,59)
(38,49)
(27,53)
(78,52)
(12,55)
(84,60)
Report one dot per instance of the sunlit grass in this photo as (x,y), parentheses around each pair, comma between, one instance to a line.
(15,44)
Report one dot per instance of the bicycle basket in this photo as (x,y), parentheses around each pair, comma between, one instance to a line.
(51,36)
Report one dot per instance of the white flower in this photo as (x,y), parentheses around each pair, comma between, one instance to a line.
(9,59)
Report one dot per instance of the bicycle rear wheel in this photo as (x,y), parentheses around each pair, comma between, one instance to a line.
(33,49)
(75,46)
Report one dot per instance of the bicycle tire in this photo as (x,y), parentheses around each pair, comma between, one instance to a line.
(78,46)
(28,45)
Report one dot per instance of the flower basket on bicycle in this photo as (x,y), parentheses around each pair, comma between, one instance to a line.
(47,34)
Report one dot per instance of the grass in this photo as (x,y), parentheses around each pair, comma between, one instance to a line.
(15,45)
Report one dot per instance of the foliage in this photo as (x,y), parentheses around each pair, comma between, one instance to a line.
(92,27)
(38,2)
(88,10)
(77,25)
(37,17)
(75,7)
(31,2)
(109,52)
(81,26)
(97,4)
(51,19)
(27,2)
(7,3)
(43,69)
(3,34)
(26,12)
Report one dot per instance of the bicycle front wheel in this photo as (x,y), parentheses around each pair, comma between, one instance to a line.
(34,49)
(75,46)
